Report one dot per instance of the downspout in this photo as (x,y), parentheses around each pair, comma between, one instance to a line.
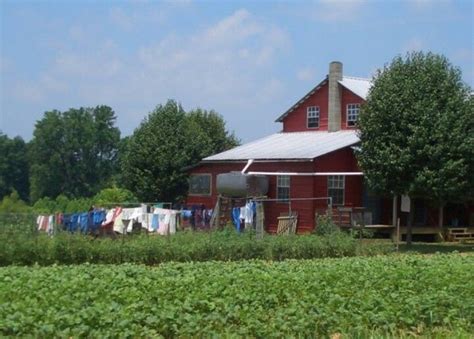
(249,162)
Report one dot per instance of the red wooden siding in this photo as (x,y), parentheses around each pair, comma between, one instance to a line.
(296,120)
(300,186)
(348,98)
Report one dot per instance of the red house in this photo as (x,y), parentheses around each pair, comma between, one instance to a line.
(315,154)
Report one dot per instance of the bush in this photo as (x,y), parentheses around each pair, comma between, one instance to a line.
(325,225)
(26,248)
(13,204)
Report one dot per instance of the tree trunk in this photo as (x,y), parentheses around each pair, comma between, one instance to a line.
(440,215)
(411,216)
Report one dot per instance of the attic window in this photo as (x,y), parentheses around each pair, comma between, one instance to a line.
(352,114)
(312,114)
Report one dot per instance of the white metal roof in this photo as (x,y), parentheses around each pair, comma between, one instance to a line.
(290,146)
(358,86)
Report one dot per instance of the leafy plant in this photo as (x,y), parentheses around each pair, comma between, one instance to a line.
(353,297)
(325,225)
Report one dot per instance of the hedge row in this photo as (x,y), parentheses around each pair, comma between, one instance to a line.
(24,249)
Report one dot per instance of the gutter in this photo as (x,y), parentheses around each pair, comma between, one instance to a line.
(306,173)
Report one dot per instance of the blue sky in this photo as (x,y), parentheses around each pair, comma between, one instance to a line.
(248,60)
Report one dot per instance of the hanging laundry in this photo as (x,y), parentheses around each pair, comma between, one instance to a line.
(250,210)
(154,222)
(147,222)
(131,216)
(243,213)
(59,219)
(198,218)
(50,227)
(207,218)
(74,222)
(119,226)
(42,222)
(83,222)
(236,218)
(163,220)
(186,216)
(98,217)
(173,221)
(109,217)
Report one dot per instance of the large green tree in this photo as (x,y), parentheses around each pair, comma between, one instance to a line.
(212,126)
(13,167)
(165,143)
(73,153)
(417,131)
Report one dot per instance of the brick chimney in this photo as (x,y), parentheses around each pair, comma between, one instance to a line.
(334,97)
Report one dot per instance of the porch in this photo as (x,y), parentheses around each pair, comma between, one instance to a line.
(359,218)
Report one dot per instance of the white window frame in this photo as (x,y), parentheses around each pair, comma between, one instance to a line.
(337,182)
(312,112)
(283,181)
(352,114)
(210,185)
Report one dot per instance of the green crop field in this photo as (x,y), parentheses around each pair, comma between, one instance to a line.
(394,295)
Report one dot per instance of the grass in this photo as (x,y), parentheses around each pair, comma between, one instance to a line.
(421,247)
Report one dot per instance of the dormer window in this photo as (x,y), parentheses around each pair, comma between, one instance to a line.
(352,114)
(312,116)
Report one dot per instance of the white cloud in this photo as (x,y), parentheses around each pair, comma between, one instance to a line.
(28,92)
(101,62)
(337,10)
(129,20)
(306,74)
(5,64)
(426,4)
(464,55)
(414,44)
(227,66)
(222,58)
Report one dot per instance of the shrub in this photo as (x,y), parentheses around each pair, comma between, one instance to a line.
(325,225)
(26,248)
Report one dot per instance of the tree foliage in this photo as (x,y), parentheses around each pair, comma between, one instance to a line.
(13,167)
(166,142)
(12,203)
(107,197)
(417,130)
(212,130)
(73,153)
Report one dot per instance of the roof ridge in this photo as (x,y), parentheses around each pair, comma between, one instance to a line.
(356,78)
(317,131)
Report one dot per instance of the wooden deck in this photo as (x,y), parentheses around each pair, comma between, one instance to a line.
(464,234)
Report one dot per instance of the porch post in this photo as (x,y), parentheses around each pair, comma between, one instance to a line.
(440,215)
(395,233)
(394,211)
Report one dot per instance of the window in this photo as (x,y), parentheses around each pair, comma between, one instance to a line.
(336,189)
(283,188)
(352,114)
(200,184)
(312,114)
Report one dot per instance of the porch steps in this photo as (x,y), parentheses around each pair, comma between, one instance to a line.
(342,216)
(460,234)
